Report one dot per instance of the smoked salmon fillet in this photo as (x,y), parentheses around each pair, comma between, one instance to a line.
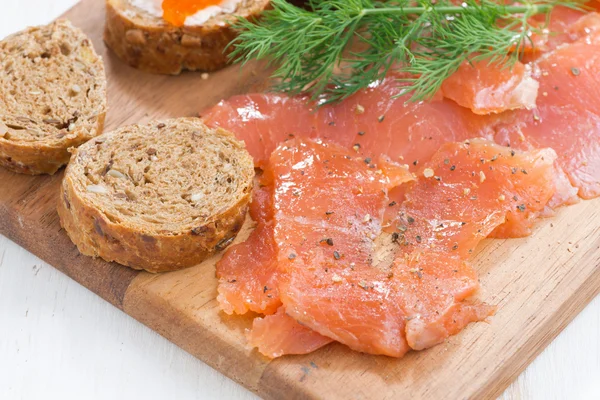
(327,214)
(405,132)
(247,279)
(278,334)
(486,88)
(567,117)
(352,246)
(253,287)
(372,123)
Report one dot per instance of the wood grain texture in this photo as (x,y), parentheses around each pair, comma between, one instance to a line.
(28,217)
(539,283)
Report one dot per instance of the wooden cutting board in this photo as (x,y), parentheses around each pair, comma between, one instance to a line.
(539,283)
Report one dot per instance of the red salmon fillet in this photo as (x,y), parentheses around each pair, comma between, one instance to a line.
(567,117)
(559,31)
(372,122)
(486,88)
(328,212)
(247,275)
(490,186)
(337,177)
(279,334)
(328,209)
(313,264)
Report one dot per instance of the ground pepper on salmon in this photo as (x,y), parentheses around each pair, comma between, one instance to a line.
(381,265)
(337,297)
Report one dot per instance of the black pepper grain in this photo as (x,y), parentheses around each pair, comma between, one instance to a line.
(329,241)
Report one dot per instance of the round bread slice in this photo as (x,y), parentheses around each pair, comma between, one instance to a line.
(158,197)
(145,41)
(52,96)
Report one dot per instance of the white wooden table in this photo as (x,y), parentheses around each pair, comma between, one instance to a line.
(59,340)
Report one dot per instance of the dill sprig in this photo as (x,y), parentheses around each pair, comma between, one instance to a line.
(338,47)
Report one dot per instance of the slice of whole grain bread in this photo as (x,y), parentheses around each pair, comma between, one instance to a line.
(52,96)
(149,43)
(159,197)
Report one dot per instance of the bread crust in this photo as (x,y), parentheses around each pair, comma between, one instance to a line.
(152,45)
(154,251)
(48,152)
(35,158)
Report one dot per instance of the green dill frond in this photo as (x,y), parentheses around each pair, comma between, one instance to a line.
(341,46)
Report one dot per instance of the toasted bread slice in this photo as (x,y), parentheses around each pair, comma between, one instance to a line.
(147,42)
(52,96)
(159,197)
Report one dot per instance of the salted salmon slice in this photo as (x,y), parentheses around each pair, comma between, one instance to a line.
(556,33)
(430,288)
(372,123)
(279,334)
(489,88)
(328,210)
(567,117)
(467,192)
(331,281)
(471,189)
(416,294)
(248,277)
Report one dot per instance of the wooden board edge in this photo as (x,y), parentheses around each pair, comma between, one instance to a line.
(177,327)
(109,281)
(549,330)
(150,310)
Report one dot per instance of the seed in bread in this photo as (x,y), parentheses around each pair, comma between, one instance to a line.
(52,96)
(145,41)
(160,197)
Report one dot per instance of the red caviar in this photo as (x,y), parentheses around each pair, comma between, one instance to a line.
(176,11)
